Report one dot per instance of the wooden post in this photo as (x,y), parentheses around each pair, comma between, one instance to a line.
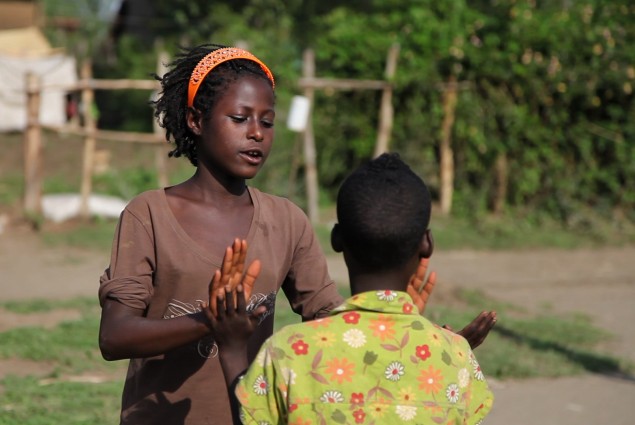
(90,142)
(502,180)
(386,111)
(33,147)
(445,149)
(308,71)
(296,162)
(161,153)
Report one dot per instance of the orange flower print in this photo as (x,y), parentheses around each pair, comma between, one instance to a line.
(430,380)
(359,416)
(357,399)
(378,408)
(460,354)
(301,421)
(407,395)
(340,370)
(324,339)
(324,322)
(383,327)
(422,351)
(434,337)
(300,347)
(352,318)
(407,308)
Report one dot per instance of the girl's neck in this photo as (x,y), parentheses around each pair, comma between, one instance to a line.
(209,187)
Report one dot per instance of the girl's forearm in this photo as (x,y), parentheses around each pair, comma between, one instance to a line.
(124,336)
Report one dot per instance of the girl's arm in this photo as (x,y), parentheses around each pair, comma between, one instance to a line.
(125,333)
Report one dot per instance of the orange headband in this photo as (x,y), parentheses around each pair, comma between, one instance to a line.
(212,60)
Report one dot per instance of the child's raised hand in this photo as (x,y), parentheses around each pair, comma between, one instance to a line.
(418,289)
(233,325)
(478,329)
(231,274)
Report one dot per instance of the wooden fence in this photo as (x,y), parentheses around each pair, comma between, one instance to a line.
(86,86)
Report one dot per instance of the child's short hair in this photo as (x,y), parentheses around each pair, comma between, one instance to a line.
(171,107)
(383,211)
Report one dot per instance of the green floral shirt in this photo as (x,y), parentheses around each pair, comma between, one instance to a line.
(374,360)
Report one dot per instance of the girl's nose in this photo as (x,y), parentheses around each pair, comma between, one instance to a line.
(256,133)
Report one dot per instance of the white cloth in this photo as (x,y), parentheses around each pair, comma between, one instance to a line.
(56,69)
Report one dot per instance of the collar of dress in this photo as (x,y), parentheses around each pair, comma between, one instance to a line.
(386,301)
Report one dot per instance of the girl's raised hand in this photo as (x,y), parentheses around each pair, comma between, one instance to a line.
(419,289)
(231,275)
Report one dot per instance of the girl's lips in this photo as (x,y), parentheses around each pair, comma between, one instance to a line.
(252,157)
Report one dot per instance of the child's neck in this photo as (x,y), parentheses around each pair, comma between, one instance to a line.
(395,280)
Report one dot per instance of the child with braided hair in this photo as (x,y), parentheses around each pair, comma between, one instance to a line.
(217,106)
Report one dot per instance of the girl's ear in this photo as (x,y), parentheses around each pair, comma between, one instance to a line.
(194,121)
(427,245)
(336,239)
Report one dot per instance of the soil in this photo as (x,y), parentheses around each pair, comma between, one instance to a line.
(597,283)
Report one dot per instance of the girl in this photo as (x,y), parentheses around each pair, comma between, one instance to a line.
(217,106)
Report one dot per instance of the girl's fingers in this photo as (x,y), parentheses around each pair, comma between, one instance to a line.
(253,271)
(220,301)
(229,301)
(214,290)
(227,265)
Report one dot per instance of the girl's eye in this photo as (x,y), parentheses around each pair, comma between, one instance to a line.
(238,118)
(267,124)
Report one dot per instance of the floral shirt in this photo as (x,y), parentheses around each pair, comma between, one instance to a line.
(374,360)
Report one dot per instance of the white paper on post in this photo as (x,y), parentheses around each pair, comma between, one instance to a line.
(298,113)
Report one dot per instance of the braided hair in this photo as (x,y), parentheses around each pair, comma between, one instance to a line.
(171,106)
(383,210)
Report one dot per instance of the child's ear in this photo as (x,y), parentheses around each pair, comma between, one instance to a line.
(336,239)
(194,121)
(427,245)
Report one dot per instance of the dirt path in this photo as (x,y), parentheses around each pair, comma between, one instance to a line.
(598,283)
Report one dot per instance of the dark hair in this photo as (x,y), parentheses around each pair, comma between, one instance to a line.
(383,211)
(171,106)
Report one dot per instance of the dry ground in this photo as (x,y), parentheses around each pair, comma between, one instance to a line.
(599,283)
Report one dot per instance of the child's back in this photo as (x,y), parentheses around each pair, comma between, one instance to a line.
(374,359)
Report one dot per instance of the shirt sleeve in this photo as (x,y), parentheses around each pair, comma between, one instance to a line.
(308,286)
(128,278)
(262,391)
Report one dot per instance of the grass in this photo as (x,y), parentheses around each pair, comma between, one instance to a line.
(519,347)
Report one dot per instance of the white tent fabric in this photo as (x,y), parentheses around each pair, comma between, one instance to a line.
(63,206)
(56,69)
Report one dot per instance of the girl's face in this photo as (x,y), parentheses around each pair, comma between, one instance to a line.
(236,138)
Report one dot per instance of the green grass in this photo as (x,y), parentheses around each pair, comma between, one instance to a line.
(26,401)
(95,234)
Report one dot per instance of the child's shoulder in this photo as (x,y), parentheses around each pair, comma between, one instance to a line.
(147,200)
(275,204)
